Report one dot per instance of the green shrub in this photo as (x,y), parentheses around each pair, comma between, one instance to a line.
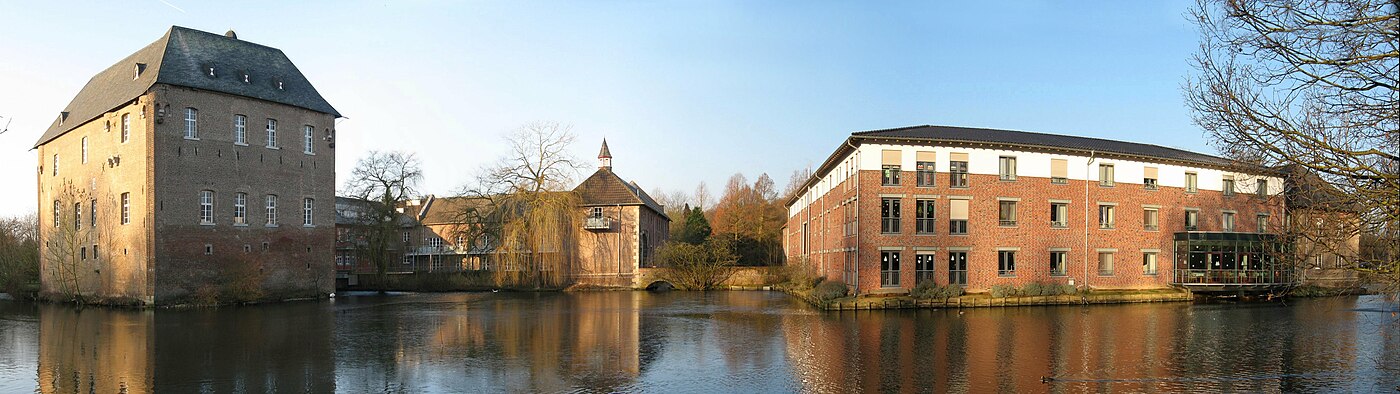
(951,291)
(829,290)
(1068,289)
(1003,291)
(926,290)
(1032,289)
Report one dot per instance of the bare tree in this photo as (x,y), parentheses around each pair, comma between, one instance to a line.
(388,180)
(65,244)
(523,211)
(1312,84)
(702,196)
(796,181)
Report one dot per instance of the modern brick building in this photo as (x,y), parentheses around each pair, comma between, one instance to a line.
(981,207)
(197,161)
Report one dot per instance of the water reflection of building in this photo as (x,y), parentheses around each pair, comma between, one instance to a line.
(283,348)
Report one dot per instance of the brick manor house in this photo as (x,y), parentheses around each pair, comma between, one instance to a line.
(981,207)
(197,161)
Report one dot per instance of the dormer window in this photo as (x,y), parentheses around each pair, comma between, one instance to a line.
(279,85)
(246,78)
(140,67)
(211,70)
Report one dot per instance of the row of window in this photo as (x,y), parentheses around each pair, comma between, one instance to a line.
(92,212)
(240,131)
(925,175)
(924,218)
(924,263)
(240,134)
(240,209)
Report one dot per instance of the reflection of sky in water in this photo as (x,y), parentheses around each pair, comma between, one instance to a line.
(696,342)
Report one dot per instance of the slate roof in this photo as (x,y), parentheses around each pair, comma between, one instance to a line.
(979,135)
(350,211)
(606,188)
(604,152)
(448,210)
(181,57)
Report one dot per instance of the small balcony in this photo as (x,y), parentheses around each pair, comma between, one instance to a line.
(436,250)
(597,223)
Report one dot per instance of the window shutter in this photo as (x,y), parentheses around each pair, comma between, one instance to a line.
(1059,168)
(925,156)
(958,209)
(889,158)
(1149,172)
(957,157)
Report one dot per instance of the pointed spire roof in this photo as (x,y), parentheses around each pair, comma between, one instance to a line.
(605,154)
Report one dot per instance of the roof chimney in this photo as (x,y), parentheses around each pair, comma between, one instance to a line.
(605,157)
(231,34)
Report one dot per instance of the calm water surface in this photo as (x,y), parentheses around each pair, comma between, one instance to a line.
(750,342)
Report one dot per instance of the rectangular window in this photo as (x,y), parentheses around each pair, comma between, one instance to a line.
(889,175)
(1192,220)
(1006,263)
(126,127)
(126,208)
(1059,171)
(1190,182)
(77,216)
(405,237)
(240,130)
(957,268)
(272,133)
(1059,215)
(306,212)
(1227,186)
(1227,221)
(57,214)
(1057,263)
(924,216)
(308,146)
(1149,178)
(890,163)
(271,210)
(1262,222)
(889,268)
(1105,263)
(596,213)
(957,217)
(1106,216)
(923,267)
(92,213)
(191,123)
(240,208)
(55,164)
(1261,187)
(206,207)
(1006,213)
(85,150)
(1149,263)
(924,173)
(889,215)
(1007,168)
(1149,219)
(957,171)
(1105,175)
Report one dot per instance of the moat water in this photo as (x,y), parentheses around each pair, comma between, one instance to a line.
(747,342)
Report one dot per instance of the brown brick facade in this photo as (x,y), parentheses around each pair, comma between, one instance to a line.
(1031,238)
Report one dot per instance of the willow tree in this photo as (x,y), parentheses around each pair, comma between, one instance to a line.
(523,211)
(387,180)
(1310,84)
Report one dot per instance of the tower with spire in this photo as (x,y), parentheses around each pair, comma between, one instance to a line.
(605,157)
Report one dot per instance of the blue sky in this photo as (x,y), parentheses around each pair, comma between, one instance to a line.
(684,91)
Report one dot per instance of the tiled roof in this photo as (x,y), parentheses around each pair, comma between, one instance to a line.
(605,188)
(978,135)
(182,57)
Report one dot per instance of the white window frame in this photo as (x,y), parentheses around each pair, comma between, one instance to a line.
(126,208)
(308,206)
(240,209)
(126,128)
(308,140)
(85,150)
(191,123)
(240,129)
(206,207)
(271,205)
(272,133)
